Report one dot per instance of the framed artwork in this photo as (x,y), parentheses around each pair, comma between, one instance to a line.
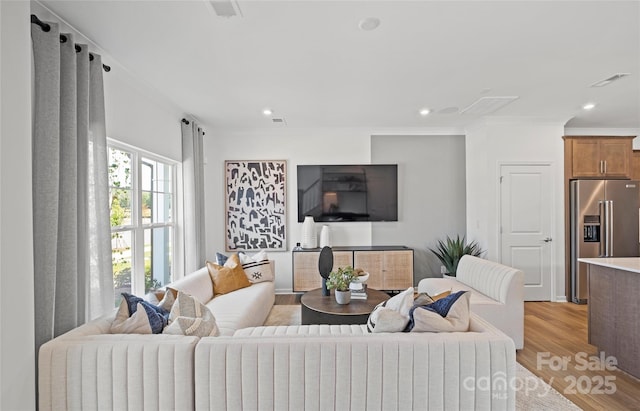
(255,205)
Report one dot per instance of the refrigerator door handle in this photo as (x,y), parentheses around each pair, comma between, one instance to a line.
(610,229)
(603,228)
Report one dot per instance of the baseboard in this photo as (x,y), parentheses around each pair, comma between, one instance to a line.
(284,291)
(561,299)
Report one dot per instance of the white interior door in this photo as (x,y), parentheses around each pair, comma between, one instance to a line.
(526,221)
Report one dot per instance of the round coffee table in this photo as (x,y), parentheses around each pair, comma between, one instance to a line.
(318,309)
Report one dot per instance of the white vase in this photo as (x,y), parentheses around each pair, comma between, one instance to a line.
(343,297)
(325,237)
(309,239)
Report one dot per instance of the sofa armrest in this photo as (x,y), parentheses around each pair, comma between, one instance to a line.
(117,371)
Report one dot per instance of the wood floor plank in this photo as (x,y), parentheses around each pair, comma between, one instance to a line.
(560,329)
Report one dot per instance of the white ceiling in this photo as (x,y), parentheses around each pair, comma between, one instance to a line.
(309,62)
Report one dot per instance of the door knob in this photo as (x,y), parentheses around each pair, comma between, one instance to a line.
(548,240)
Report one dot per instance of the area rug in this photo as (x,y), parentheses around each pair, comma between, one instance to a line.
(532,393)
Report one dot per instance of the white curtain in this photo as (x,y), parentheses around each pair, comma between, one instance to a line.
(193,186)
(72,239)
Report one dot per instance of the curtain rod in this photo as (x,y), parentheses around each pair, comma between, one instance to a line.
(185,121)
(63,39)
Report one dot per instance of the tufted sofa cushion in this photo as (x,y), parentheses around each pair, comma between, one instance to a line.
(488,277)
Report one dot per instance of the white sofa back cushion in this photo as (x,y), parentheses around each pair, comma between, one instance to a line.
(486,276)
(197,284)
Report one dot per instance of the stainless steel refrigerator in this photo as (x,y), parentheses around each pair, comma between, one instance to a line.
(604,223)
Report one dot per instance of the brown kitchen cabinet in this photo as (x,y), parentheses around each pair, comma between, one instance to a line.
(390,268)
(599,157)
(635,165)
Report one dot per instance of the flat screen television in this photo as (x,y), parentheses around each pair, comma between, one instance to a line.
(367,192)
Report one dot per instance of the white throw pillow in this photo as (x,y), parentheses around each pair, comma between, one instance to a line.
(391,315)
(257,268)
(137,323)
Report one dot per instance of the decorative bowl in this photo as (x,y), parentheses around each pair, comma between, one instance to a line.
(361,278)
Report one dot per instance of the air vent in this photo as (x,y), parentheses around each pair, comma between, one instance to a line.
(609,80)
(448,110)
(279,121)
(487,105)
(226,8)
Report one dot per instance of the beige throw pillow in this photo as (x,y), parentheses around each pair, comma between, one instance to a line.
(190,317)
(451,314)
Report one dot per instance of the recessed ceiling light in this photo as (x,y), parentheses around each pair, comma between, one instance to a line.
(588,106)
(368,24)
(425,112)
(267,112)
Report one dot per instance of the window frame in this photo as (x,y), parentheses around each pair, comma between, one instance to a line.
(137,227)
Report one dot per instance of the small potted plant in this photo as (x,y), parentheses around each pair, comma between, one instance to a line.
(450,251)
(339,280)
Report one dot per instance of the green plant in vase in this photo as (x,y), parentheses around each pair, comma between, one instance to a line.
(339,280)
(450,251)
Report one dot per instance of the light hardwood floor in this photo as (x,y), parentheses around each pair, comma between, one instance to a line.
(560,329)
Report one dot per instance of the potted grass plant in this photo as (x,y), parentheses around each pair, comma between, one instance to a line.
(339,280)
(450,251)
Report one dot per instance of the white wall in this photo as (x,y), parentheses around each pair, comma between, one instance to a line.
(521,140)
(17,356)
(135,113)
(297,146)
(431,194)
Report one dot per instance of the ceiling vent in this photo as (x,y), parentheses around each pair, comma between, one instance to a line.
(609,80)
(487,105)
(279,121)
(225,8)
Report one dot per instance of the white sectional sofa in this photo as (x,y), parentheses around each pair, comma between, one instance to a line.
(342,367)
(497,293)
(252,367)
(89,368)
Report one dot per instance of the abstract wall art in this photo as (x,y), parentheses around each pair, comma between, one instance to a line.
(255,194)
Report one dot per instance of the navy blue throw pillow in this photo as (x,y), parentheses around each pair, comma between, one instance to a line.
(158,317)
(221,259)
(443,305)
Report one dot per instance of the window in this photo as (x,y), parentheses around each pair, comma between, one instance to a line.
(142,192)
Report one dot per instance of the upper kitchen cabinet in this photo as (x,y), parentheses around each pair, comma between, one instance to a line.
(598,156)
(635,165)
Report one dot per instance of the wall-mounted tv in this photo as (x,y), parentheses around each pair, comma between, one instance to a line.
(367,192)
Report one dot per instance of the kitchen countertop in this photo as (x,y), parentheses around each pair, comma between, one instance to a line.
(631,264)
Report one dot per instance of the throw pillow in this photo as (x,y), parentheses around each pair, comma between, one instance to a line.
(391,315)
(229,277)
(190,317)
(161,298)
(424,298)
(448,314)
(221,258)
(137,316)
(157,316)
(138,323)
(257,267)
